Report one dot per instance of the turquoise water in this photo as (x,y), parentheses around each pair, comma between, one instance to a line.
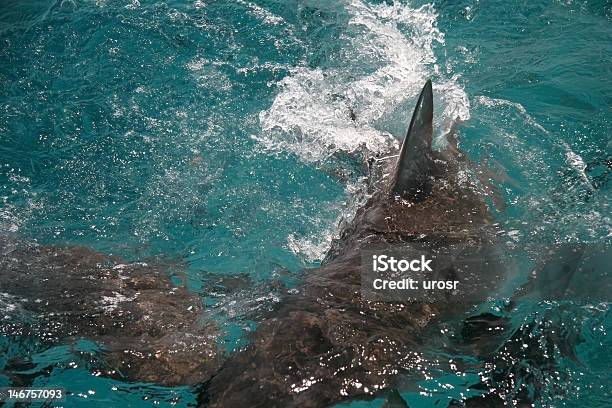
(219,135)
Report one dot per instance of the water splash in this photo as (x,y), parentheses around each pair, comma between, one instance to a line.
(362,105)
(389,55)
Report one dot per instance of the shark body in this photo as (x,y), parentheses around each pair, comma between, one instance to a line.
(327,343)
(321,345)
(149,329)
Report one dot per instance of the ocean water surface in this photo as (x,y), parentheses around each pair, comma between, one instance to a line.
(229,138)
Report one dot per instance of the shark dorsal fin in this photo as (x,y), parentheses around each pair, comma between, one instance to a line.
(413,172)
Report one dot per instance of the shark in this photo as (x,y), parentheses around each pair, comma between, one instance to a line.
(328,343)
(324,343)
(148,327)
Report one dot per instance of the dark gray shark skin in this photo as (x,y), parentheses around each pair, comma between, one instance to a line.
(327,344)
(322,345)
(151,329)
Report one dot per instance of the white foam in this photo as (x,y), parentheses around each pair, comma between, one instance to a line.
(264,15)
(577,163)
(388,55)
(208,75)
(394,48)
(13,216)
(495,102)
(310,249)
(306,120)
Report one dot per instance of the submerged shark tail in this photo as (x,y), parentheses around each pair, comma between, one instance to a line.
(413,173)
